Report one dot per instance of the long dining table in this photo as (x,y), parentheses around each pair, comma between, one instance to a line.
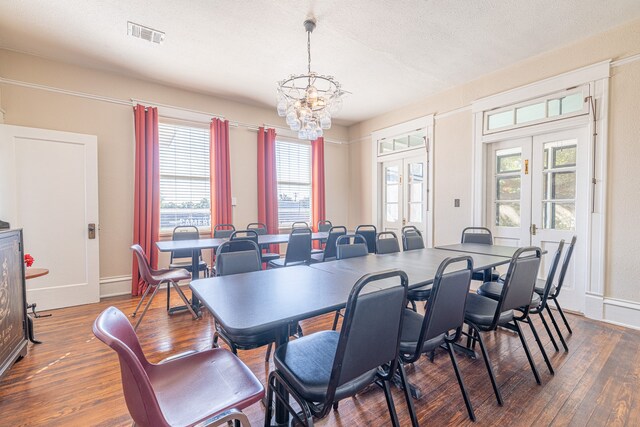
(197,245)
(271,300)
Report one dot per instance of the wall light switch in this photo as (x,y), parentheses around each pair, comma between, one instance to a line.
(456,203)
(234,201)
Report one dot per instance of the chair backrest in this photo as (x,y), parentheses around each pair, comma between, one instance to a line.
(369,232)
(387,245)
(330,247)
(520,280)
(223,230)
(114,329)
(411,238)
(351,246)
(299,224)
(446,303)
(237,256)
(299,246)
(359,350)
(548,284)
(565,265)
(184,232)
(258,227)
(477,235)
(324,225)
(245,235)
(146,273)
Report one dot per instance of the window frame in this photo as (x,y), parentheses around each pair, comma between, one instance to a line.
(307,144)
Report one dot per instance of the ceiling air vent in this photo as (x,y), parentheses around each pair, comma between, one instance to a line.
(144,33)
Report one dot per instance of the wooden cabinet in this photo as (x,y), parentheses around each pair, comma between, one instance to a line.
(13,312)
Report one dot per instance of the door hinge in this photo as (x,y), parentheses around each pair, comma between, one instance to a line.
(532,229)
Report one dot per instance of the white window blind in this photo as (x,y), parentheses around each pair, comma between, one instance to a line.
(293,165)
(184,176)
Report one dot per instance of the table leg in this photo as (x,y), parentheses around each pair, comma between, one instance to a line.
(282,416)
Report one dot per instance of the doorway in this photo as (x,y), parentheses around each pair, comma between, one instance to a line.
(404,193)
(538,195)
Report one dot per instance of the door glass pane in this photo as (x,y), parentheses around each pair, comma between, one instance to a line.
(392,194)
(508,214)
(415,212)
(500,120)
(508,188)
(530,113)
(564,156)
(559,216)
(392,175)
(560,185)
(392,212)
(508,162)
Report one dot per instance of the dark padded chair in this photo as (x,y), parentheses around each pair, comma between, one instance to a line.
(222,231)
(299,224)
(298,249)
(387,243)
(483,236)
(330,248)
(261,229)
(483,314)
(349,246)
(411,238)
(158,394)
(554,292)
(233,258)
(538,302)
(155,278)
(441,325)
(186,232)
(323,226)
(321,369)
(369,232)
(246,235)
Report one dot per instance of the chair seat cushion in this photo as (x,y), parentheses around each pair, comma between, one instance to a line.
(494,289)
(411,326)
(320,258)
(306,363)
(222,381)
(277,263)
(479,275)
(419,294)
(187,265)
(540,284)
(267,257)
(480,311)
(317,251)
(174,275)
(247,342)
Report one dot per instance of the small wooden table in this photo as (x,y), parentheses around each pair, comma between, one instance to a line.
(33,272)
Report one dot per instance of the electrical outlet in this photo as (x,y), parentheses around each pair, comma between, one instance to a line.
(456,203)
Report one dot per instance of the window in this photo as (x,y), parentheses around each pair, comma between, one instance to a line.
(408,141)
(293,165)
(184,177)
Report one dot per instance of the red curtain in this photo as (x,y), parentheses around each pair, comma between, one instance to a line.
(268,182)
(317,182)
(146,203)
(220,173)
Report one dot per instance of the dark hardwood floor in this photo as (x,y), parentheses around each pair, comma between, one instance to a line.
(74,380)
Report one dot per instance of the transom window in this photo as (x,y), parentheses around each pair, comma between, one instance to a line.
(293,165)
(562,105)
(184,177)
(407,141)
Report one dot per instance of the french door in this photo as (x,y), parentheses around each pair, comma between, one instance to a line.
(404,193)
(538,187)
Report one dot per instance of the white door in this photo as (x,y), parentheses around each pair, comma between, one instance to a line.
(404,193)
(538,196)
(50,190)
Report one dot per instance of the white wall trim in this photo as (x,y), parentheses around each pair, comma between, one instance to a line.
(613,310)
(114,286)
(2,112)
(627,60)
(597,71)
(449,113)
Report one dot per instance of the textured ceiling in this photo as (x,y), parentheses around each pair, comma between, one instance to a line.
(387,53)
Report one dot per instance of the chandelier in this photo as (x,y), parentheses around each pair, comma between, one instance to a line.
(309,100)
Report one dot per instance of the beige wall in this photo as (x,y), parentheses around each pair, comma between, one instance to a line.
(113,125)
(453,144)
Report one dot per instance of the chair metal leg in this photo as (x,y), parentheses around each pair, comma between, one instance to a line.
(564,319)
(168,296)
(527,352)
(546,327)
(184,299)
(407,394)
(238,418)
(463,389)
(146,291)
(268,413)
(390,405)
(335,321)
(542,350)
(146,307)
(487,363)
(555,325)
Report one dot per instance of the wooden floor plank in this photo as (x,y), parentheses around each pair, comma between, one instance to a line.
(73,379)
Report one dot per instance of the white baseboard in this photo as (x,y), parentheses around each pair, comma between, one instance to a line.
(613,310)
(114,286)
